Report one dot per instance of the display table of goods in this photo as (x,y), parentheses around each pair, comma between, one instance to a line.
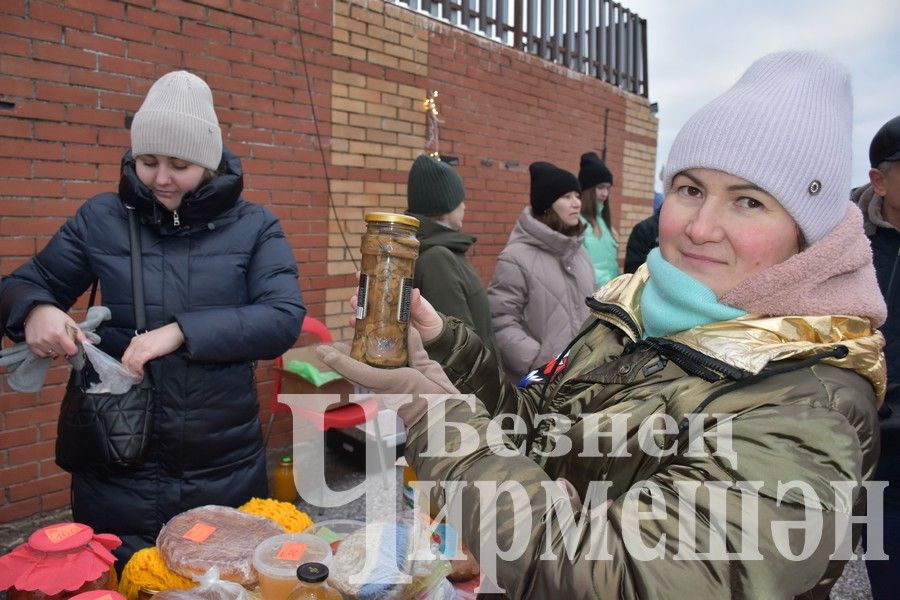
(254,553)
(250,553)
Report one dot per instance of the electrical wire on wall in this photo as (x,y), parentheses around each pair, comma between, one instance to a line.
(312,106)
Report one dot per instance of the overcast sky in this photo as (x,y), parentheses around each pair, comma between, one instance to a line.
(698,48)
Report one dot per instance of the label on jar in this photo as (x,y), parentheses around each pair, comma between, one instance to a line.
(63,532)
(361,294)
(406,288)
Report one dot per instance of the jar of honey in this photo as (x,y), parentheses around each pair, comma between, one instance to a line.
(313,584)
(277,558)
(389,251)
(283,487)
(99,595)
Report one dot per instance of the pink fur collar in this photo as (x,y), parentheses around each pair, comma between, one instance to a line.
(834,276)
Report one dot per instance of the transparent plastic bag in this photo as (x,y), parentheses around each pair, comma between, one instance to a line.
(114,377)
(367,568)
(444,590)
(193,542)
(210,587)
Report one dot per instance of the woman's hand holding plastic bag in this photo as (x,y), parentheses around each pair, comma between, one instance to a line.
(118,377)
(114,377)
(152,344)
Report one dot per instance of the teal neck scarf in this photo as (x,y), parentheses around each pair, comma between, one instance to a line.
(674,301)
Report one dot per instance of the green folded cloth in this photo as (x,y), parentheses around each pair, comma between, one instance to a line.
(310,373)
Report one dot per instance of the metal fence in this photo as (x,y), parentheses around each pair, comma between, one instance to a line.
(598,37)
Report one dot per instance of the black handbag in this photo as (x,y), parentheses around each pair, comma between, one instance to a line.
(100,433)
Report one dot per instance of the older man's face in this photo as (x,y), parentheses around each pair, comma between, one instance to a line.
(886,183)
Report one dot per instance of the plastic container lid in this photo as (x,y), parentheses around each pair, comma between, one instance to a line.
(280,555)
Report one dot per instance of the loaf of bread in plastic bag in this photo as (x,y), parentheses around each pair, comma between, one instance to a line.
(199,539)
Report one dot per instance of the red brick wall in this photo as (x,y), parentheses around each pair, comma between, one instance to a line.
(71,71)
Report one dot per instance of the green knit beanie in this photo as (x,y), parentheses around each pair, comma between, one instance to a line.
(433,188)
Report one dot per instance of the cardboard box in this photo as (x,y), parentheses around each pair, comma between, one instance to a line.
(291,383)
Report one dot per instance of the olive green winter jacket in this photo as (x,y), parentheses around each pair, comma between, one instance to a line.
(786,406)
(447,280)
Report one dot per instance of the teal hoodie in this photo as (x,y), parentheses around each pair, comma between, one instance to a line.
(603,250)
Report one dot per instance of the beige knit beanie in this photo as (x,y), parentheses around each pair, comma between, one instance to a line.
(178,119)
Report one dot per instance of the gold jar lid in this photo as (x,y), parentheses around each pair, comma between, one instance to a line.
(384,217)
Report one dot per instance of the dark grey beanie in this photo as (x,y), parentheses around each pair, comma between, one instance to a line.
(592,171)
(549,183)
(433,188)
(885,145)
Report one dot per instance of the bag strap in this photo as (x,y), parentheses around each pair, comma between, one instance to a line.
(137,274)
(93,296)
(137,286)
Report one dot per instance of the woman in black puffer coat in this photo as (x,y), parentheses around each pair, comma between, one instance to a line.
(220,285)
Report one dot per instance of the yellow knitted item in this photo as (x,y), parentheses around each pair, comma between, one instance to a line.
(292,519)
(146,569)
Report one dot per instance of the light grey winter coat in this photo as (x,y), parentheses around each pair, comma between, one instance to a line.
(537,294)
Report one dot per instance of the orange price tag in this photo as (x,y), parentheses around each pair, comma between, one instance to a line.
(104,597)
(199,533)
(292,551)
(63,532)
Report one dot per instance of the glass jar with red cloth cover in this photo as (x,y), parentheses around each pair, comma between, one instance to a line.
(99,595)
(59,561)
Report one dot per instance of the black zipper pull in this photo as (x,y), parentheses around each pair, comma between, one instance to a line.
(175,220)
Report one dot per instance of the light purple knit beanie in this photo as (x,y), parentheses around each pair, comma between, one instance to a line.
(784,126)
